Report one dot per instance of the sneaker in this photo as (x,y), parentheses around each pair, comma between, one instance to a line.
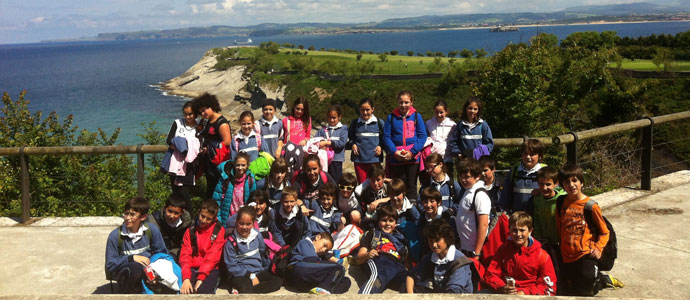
(319,291)
(612,282)
(235,291)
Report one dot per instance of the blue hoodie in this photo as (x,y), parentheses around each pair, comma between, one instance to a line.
(415,136)
(115,258)
(245,256)
(322,220)
(460,282)
(225,201)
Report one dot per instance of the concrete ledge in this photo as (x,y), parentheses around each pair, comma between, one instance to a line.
(627,194)
(64,222)
(303,296)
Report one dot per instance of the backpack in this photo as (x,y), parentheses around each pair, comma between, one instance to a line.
(610,252)
(193,241)
(493,221)
(280,261)
(428,272)
(120,243)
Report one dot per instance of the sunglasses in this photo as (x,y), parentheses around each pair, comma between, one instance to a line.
(346,187)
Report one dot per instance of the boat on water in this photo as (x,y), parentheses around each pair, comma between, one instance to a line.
(503,29)
(248,41)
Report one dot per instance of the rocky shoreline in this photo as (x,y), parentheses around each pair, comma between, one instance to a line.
(226,85)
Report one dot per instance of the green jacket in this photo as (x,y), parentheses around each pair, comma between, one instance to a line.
(544,217)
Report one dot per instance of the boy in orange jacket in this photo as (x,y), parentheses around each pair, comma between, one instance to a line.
(580,249)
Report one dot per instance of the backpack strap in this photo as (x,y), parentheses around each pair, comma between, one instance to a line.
(216,229)
(451,189)
(192,240)
(588,217)
(233,242)
(474,206)
(120,241)
(375,239)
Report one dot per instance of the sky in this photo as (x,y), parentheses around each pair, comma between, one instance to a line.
(26,21)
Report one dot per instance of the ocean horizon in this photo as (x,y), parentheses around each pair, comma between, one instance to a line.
(112,84)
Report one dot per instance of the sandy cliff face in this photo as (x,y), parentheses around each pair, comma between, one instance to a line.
(201,78)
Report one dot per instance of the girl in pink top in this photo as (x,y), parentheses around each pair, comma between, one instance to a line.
(297,127)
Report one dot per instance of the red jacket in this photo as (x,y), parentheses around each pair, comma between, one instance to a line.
(530,266)
(208,256)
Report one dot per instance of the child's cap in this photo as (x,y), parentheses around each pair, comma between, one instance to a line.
(269,102)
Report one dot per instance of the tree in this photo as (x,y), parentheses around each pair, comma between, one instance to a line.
(410,53)
(480,53)
(359,56)
(663,56)
(452,53)
(439,54)
(394,52)
(382,57)
(429,53)
(436,66)
(301,47)
(466,53)
(270,47)
(311,48)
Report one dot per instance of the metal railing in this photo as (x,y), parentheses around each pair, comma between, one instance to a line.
(570,140)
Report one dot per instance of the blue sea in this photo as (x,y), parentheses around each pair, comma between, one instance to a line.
(109,85)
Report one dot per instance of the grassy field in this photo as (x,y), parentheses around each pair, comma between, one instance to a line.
(648,65)
(394,64)
(403,64)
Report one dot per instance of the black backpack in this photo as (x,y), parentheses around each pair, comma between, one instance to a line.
(193,241)
(610,252)
(428,272)
(280,261)
(492,221)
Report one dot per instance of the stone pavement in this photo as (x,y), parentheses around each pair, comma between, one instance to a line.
(65,256)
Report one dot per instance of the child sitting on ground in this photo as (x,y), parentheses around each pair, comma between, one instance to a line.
(445,269)
(291,225)
(521,267)
(384,252)
(172,221)
(308,272)
(521,182)
(325,217)
(201,250)
(245,260)
(347,201)
(408,216)
(130,246)
(371,194)
(431,203)
(277,180)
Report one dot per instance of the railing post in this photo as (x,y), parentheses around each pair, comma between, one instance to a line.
(26,192)
(140,171)
(646,156)
(571,149)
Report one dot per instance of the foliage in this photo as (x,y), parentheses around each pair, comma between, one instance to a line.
(663,57)
(466,53)
(382,57)
(61,185)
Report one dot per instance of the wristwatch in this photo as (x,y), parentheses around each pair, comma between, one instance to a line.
(475,254)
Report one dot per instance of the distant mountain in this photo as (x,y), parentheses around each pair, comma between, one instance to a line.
(641,11)
(624,9)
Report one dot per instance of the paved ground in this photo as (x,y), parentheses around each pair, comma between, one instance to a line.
(66,256)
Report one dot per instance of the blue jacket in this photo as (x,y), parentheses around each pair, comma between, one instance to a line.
(393,133)
(396,238)
(464,139)
(338,138)
(242,258)
(275,193)
(303,252)
(270,134)
(367,135)
(115,258)
(447,201)
(322,220)
(287,231)
(249,145)
(225,199)
(434,276)
(517,190)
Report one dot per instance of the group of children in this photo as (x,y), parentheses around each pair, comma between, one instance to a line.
(258,232)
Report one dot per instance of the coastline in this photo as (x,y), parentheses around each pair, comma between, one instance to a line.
(227,86)
(559,24)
